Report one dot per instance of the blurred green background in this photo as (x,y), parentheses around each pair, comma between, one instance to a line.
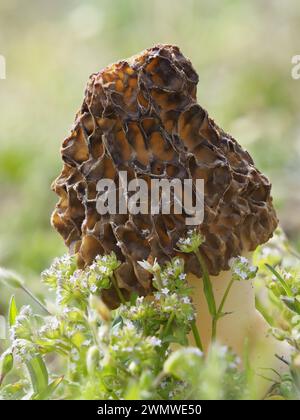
(241,50)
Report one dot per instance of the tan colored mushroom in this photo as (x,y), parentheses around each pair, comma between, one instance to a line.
(141,116)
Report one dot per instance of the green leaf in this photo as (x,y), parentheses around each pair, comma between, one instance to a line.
(222,314)
(6,364)
(12,311)
(46,394)
(281,280)
(117,323)
(291,303)
(38,374)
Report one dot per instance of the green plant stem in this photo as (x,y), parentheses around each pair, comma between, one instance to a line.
(166,330)
(117,289)
(219,311)
(225,297)
(196,335)
(208,292)
(158,280)
(214,328)
(29,293)
(207,286)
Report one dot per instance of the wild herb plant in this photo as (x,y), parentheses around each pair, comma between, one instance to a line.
(76,348)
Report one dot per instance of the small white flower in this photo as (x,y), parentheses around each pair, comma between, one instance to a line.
(186,299)
(165,291)
(129,324)
(145,265)
(182,276)
(93,288)
(155,266)
(154,341)
(140,300)
(79,327)
(75,354)
(243,275)
(93,266)
(115,347)
(243,260)
(237,271)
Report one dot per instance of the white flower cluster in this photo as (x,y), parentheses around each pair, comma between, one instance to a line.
(242,269)
(192,242)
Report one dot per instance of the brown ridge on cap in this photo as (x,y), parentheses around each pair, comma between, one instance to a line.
(141,116)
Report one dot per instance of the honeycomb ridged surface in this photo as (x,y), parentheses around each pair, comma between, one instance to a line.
(141,116)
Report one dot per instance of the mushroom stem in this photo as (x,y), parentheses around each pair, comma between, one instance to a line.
(243,323)
(240,302)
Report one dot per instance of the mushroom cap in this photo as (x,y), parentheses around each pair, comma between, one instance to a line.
(141,116)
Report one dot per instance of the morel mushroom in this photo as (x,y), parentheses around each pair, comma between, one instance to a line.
(141,116)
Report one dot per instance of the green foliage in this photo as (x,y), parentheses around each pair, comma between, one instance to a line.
(125,353)
(79,349)
(279,273)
